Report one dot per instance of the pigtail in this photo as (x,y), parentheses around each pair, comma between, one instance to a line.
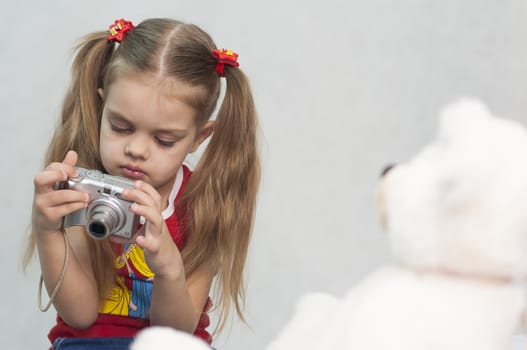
(81,116)
(222,192)
(79,131)
(82,106)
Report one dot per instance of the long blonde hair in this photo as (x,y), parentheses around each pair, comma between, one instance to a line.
(220,197)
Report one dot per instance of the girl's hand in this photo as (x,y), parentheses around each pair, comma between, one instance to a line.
(50,205)
(161,253)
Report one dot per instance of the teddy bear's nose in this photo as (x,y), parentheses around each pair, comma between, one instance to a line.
(387,169)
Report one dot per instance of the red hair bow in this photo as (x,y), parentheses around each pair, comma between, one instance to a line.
(225,57)
(118,29)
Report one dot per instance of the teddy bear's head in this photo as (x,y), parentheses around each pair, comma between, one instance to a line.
(166,338)
(460,204)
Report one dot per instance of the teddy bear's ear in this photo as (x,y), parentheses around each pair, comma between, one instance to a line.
(464,146)
(462,118)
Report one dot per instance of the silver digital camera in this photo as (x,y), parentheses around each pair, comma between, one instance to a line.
(107,213)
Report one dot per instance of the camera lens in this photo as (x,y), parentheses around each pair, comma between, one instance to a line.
(105,217)
(97,229)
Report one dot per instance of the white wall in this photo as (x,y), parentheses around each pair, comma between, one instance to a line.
(343,87)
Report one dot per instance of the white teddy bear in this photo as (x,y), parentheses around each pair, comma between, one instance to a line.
(456,217)
(166,338)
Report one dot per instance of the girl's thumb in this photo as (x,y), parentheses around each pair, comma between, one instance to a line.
(70,158)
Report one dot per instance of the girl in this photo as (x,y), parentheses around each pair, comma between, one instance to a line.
(140,101)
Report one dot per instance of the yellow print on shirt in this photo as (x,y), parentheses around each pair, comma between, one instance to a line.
(118,300)
(134,302)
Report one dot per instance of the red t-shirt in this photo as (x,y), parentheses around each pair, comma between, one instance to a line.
(126,310)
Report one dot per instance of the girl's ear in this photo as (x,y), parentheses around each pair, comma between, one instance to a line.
(205,131)
(100,91)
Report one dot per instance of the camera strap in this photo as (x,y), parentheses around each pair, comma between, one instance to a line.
(59,282)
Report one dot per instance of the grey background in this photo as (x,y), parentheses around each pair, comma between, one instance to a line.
(343,87)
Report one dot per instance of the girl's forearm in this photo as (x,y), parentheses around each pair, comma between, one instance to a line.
(172,305)
(76,301)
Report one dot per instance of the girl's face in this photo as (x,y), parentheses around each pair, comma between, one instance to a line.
(147,133)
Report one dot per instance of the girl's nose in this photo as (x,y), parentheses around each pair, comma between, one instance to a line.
(137,148)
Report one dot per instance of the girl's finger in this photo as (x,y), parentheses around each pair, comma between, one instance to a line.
(69,169)
(159,251)
(56,198)
(144,194)
(53,174)
(148,189)
(151,244)
(144,243)
(70,158)
(45,181)
(139,197)
(152,216)
(63,210)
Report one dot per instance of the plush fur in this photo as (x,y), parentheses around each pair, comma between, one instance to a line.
(165,338)
(456,218)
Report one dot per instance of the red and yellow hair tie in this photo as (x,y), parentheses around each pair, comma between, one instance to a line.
(225,57)
(118,29)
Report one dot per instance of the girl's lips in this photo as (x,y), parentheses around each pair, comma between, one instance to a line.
(132,172)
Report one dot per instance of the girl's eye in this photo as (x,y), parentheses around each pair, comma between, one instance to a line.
(118,128)
(165,143)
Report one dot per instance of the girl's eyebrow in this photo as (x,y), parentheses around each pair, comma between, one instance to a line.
(172,132)
(116,115)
